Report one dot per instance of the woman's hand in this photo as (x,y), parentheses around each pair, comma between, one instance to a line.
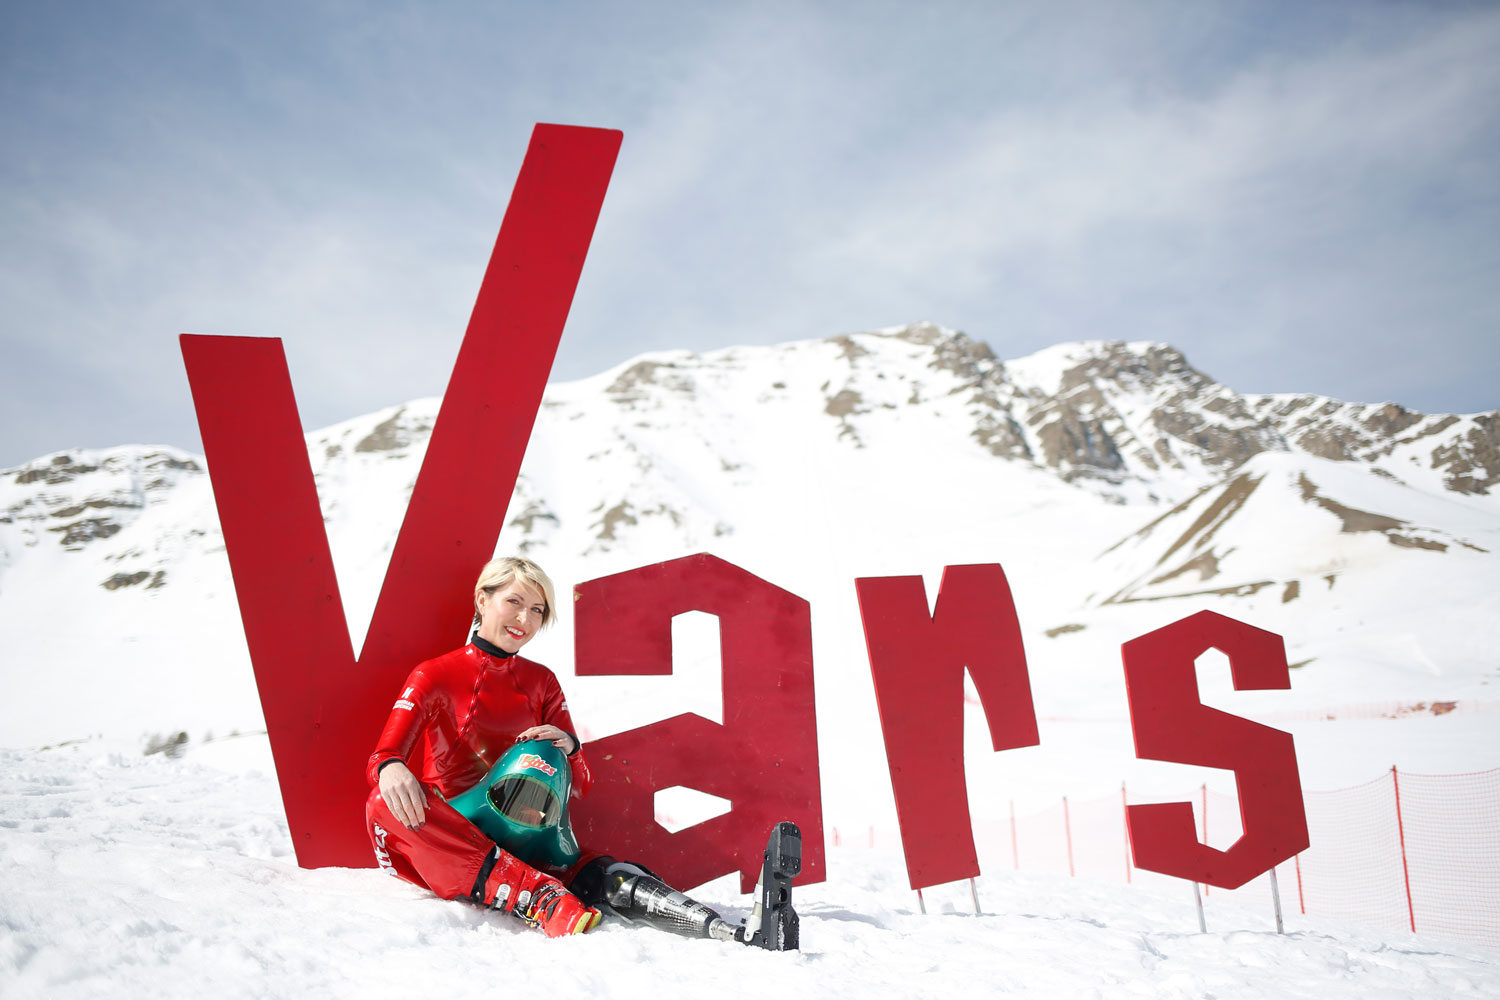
(551,734)
(404,794)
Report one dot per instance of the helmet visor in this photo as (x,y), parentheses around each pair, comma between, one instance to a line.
(525,801)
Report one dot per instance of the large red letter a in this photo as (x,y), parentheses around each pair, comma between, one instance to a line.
(764,759)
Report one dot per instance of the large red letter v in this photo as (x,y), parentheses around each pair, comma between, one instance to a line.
(323,709)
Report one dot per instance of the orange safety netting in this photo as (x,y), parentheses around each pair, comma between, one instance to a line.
(1403,851)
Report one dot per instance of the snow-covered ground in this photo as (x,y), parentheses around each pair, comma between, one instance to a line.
(135,876)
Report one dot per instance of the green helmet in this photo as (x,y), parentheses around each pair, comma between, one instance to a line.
(522,805)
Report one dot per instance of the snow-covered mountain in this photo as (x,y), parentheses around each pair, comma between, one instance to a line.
(1120,488)
(681,439)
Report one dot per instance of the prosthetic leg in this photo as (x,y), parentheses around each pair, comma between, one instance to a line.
(634,894)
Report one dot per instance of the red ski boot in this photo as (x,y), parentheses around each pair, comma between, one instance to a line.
(538,899)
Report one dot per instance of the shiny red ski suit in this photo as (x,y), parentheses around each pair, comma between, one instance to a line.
(456,715)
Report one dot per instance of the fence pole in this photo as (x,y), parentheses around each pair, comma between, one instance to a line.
(1125,823)
(1202,924)
(1276,900)
(1205,823)
(974,895)
(1015,850)
(1301,900)
(920,903)
(1401,832)
(1068,832)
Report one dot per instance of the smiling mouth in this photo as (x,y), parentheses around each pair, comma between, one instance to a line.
(517,633)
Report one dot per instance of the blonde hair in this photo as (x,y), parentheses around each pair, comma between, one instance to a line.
(500,572)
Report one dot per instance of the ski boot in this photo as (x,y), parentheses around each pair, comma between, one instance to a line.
(538,899)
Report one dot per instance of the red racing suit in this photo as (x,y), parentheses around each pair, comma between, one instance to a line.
(456,715)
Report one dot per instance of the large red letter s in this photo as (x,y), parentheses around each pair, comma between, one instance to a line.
(323,710)
(764,759)
(1171,724)
(918,665)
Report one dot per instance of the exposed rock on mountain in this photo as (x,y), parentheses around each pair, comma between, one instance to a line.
(1279,522)
(1464,450)
(78,500)
(678,452)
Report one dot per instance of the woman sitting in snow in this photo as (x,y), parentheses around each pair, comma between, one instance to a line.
(456,717)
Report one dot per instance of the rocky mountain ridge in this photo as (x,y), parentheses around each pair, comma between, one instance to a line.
(1131,423)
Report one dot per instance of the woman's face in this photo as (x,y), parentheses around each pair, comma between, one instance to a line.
(511,615)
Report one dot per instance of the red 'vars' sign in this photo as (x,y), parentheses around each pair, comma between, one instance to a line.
(324,709)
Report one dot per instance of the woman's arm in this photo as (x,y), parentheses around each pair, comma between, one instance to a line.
(409,716)
(552,714)
(388,768)
(553,709)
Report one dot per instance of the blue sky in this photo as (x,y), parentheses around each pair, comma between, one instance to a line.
(1302,197)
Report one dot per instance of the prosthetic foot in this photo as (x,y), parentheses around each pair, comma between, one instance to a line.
(773,923)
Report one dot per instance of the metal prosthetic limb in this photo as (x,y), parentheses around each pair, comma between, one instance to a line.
(635,895)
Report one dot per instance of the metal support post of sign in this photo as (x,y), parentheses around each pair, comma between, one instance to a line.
(1276,901)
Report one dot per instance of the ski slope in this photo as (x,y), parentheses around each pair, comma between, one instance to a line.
(135,876)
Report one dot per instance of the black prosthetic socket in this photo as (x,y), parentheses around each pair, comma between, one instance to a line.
(773,923)
(634,894)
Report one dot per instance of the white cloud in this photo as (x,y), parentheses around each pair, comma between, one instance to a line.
(1249,185)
